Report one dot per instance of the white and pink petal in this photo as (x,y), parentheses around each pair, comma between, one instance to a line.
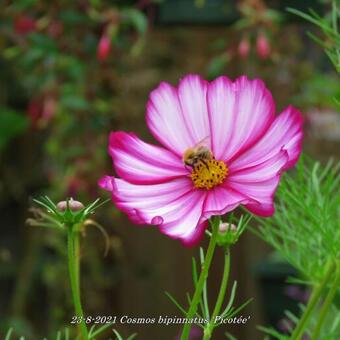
(142,163)
(222,199)
(174,206)
(182,220)
(259,182)
(260,194)
(192,93)
(261,171)
(178,118)
(285,133)
(240,113)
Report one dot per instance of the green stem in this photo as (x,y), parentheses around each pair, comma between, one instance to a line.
(221,295)
(316,294)
(202,279)
(327,303)
(77,259)
(73,265)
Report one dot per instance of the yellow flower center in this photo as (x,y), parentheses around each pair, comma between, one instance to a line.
(208,174)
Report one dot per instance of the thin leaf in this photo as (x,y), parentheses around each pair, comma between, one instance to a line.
(101,329)
(205,289)
(231,299)
(118,336)
(9,333)
(230,336)
(238,309)
(272,332)
(67,334)
(176,303)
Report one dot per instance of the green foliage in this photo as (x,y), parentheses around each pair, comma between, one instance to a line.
(230,310)
(305,228)
(12,123)
(67,91)
(65,334)
(119,337)
(329,331)
(136,19)
(217,65)
(314,93)
(329,27)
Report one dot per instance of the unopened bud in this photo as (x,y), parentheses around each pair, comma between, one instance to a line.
(224,227)
(227,234)
(104,47)
(262,46)
(74,205)
(244,48)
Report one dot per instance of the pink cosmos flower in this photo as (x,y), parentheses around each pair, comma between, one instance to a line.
(246,147)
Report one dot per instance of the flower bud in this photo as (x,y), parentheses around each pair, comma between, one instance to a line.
(262,46)
(34,109)
(227,234)
(67,215)
(104,47)
(224,227)
(74,205)
(244,48)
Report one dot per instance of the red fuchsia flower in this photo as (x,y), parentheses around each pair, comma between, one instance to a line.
(55,28)
(262,46)
(41,110)
(104,47)
(49,108)
(223,146)
(34,110)
(24,24)
(244,48)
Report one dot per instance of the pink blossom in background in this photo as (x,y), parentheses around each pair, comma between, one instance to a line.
(41,110)
(298,293)
(104,47)
(244,48)
(34,109)
(55,29)
(236,122)
(24,24)
(49,109)
(262,46)
(196,333)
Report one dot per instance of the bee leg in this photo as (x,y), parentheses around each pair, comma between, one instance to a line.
(205,163)
(189,164)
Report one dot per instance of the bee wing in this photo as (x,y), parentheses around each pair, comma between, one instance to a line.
(204,142)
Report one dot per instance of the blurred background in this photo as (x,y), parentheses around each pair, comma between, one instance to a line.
(72,71)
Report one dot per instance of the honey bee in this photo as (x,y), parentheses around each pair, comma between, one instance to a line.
(199,153)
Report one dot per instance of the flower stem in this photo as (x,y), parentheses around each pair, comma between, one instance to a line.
(327,303)
(73,266)
(316,294)
(202,279)
(211,325)
(77,259)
